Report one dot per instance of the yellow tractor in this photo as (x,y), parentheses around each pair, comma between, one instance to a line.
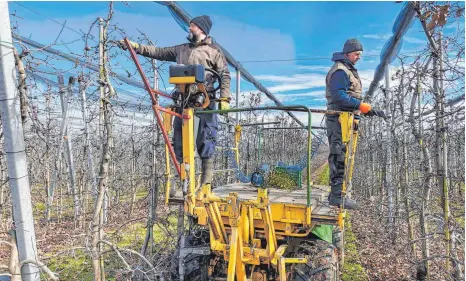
(248,231)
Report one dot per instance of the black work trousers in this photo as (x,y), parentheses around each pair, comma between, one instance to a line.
(336,158)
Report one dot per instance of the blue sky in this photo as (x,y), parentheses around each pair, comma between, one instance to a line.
(250,31)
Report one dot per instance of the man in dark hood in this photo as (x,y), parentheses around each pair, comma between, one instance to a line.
(200,50)
(343,93)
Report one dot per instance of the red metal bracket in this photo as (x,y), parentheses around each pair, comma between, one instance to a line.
(155,105)
(161,108)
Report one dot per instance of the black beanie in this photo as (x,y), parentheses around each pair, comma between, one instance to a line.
(352,45)
(204,23)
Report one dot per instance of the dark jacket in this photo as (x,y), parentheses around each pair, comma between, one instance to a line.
(204,52)
(343,85)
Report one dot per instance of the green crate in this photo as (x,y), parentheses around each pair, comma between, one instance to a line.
(295,175)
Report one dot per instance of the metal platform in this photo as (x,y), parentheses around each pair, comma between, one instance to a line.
(319,193)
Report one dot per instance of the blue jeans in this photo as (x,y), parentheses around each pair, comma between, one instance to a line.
(206,138)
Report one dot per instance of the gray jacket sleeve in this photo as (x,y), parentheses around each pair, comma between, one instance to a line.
(165,54)
(221,66)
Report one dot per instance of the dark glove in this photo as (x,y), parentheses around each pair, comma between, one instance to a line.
(375,112)
(123,46)
(356,120)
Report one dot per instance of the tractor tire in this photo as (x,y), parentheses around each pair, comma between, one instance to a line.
(322,262)
(195,265)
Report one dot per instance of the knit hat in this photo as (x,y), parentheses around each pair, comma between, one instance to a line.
(352,45)
(204,23)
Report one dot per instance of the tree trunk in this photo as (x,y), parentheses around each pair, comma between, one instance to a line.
(22,86)
(13,267)
(426,166)
(66,98)
(133,170)
(103,176)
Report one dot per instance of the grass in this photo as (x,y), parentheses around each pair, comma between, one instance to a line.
(77,266)
(352,269)
(323,178)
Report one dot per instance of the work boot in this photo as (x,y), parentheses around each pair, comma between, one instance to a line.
(207,171)
(334,199)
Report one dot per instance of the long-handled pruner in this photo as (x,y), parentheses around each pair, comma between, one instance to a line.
(155,105)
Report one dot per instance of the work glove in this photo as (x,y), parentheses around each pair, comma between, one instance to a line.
(365,107)
(123,46)
(224,104)
(374,112)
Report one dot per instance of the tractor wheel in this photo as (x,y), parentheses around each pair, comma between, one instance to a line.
(196,265)
(322,262)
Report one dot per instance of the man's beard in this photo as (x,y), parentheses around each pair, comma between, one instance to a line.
(192,37)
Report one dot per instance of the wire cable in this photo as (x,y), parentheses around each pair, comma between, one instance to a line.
(61,24)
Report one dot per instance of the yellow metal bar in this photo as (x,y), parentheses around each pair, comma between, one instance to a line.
(245,226)
(187,167)
(279,253)
(272,227)
(346,121)
(262,203)
(268,228)
(251,222)
(349,137)
(214,223)
(240,266)
(308,215)
(167,121)
(216,245)
(182,80)
(351,145)
(167,175)
(238,130)
(341,219)
(355,143)
(167,124)
(295,260)
(232,255)
(282,269)
(219,218)
(282,265)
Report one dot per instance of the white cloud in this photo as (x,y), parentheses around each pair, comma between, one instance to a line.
(385,37)
(373,52)
(366,75)
(307,94)
(378,36)
(455,25)
(295,82)
(315,117)
(248,42)
(292,87)
(413,40)
(317,68)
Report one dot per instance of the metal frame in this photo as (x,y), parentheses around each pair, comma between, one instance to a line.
(237,226)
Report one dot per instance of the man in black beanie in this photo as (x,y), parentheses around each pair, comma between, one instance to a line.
(199,27)
(199,50)
(343,93)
